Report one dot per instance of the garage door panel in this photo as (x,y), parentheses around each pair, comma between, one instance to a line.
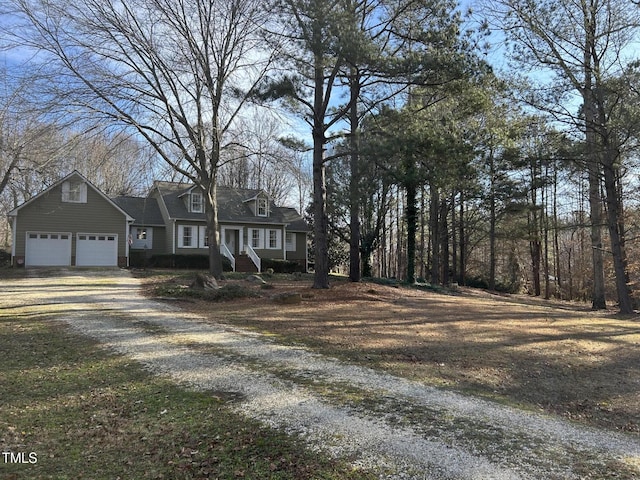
(48,249)
(97,249)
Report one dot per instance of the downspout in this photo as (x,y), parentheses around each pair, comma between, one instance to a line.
(306,252)
(127,232)
(284,241)
(14,240)
(173,237)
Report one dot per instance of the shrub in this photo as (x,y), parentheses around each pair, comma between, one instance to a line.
(281,266)
(480,282)
(383,281)
(5,258)
(231,291)
(476,282)
(191,262)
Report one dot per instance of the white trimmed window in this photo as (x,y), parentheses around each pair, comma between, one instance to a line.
(186,236)
(74,191)
(256,237)
(203,238)
(196,203)
(142,237)
(290,241)
(274,239)
(262,207)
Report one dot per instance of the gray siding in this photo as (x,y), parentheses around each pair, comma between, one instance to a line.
(276,254)
(168,232)
(300,252)
(159,240)
(194,250)
(159,245)
(49,213)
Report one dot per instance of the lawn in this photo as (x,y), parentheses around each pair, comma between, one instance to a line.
(73,410)
(556,357)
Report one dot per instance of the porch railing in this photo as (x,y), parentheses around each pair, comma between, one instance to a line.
(254,257)
(224,250)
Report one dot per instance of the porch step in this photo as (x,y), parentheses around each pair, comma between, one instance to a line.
(244,264)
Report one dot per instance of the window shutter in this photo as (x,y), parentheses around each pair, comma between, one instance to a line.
(202,237)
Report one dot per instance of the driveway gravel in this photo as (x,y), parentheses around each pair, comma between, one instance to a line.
(400,428)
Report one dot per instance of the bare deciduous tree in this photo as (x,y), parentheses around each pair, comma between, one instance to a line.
(584,44)
(264,162)
(176,72)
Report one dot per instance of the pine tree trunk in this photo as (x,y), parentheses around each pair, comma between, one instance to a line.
(412,217)
(598,301)
(454,238)
(463,244)
(616,234)
(354,182)
(435,235)
(444,241)
(320,216)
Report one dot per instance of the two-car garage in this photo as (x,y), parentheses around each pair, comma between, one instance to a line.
(56,249)
(71,223)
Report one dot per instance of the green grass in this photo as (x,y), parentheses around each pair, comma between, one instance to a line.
(89,414)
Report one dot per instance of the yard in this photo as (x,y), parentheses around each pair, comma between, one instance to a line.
(74,410)
(150,390)
(552,356)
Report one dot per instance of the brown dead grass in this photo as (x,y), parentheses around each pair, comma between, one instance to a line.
(558,357)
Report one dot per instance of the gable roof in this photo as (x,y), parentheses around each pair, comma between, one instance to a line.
(144,210)
(254,194)
(232,206)
(14,212)
(171,195)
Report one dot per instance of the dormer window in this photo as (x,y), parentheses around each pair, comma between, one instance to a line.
(197,206)
(74,191)
(263,205)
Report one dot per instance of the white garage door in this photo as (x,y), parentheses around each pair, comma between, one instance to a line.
(48,249)
(97,249)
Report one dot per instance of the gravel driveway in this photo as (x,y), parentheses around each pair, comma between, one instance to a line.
(404,429)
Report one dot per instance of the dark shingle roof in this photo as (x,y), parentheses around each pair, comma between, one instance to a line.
(295,221)
(232,206)
(145,211)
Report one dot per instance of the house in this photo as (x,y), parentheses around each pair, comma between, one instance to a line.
(73,223)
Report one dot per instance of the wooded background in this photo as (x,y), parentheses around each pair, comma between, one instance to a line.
(492,144)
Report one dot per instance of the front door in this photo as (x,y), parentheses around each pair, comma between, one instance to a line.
(231,240)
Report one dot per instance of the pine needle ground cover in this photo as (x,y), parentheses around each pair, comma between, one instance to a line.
(552,356)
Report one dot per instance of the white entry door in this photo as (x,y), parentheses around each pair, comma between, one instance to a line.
(97,249)
(230,241)
(48,249)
